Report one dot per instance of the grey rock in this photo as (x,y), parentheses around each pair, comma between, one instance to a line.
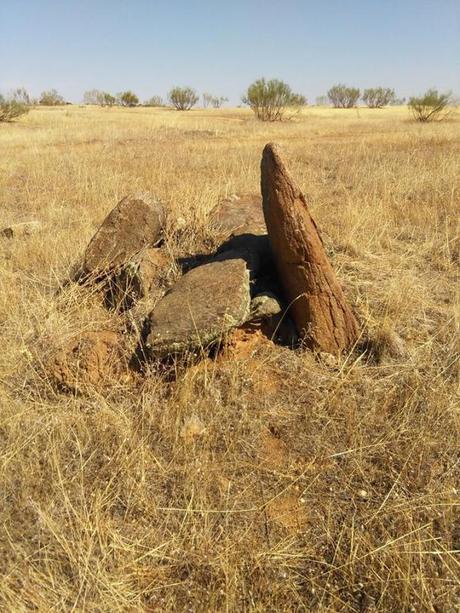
(264,306)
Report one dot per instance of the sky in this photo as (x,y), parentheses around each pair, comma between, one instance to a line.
(149,46)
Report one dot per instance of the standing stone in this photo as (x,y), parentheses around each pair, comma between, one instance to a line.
(203,305)
(322,315)
(135,223)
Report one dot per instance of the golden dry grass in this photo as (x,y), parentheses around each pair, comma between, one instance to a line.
(268,481)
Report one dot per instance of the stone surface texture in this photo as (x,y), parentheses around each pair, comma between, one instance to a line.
(203,305)
(134,224)
(323,317)
(239,214)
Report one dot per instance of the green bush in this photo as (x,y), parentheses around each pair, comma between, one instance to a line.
(11,109)
(378,97)
(183,98)
(51,98)
(432,106)
(343,97)
(108,99)
(128,98)
(270,100)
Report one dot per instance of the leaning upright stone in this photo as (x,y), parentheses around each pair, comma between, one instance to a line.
(322,315)
(135,223)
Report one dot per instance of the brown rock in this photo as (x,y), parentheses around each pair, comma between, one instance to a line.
(137,278)
(135,223)
(318,306)
(93,359)
(239,215)
(204,304)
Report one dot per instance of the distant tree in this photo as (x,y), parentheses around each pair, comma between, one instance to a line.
(214,101)
(94,96)
(218,101)
(270,100)
(398,102)
(322,101)
(343,97)
(51,98)
(154,101)
(378,97)
(128,98)
(108,99)
(183,98)
(21,95)
(11,109)
(431,106)
(207,99)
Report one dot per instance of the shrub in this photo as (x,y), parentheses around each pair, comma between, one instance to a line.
(322,101)
(431,106)
(271,99)
(51,98)
(128,98)
(218,101)
(378,97)
(398,102)
(343,97)
(93,96)
(11,109)
(108,99)
(154,101)
(215,101)
(21,95)
(207,99)
(183,98)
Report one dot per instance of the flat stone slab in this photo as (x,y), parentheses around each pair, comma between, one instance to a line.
(239,214)
(203,305)
(135,223)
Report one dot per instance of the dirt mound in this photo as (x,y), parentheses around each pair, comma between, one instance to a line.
(93,359)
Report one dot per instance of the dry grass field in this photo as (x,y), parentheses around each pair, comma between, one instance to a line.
(267,480)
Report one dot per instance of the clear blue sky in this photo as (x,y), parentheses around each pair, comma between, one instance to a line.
(221,47)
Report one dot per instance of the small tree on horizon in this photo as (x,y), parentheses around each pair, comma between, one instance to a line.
(270,100)
(128,98)
(154,101)
(21,95)
(183,98)
(207,99)
(378,97)
(51,98)
(108,99)
(432,106)
(214,101)
(322,101)
(92,96)
(343,97)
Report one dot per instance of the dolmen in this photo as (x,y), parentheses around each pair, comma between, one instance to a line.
(270,268)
